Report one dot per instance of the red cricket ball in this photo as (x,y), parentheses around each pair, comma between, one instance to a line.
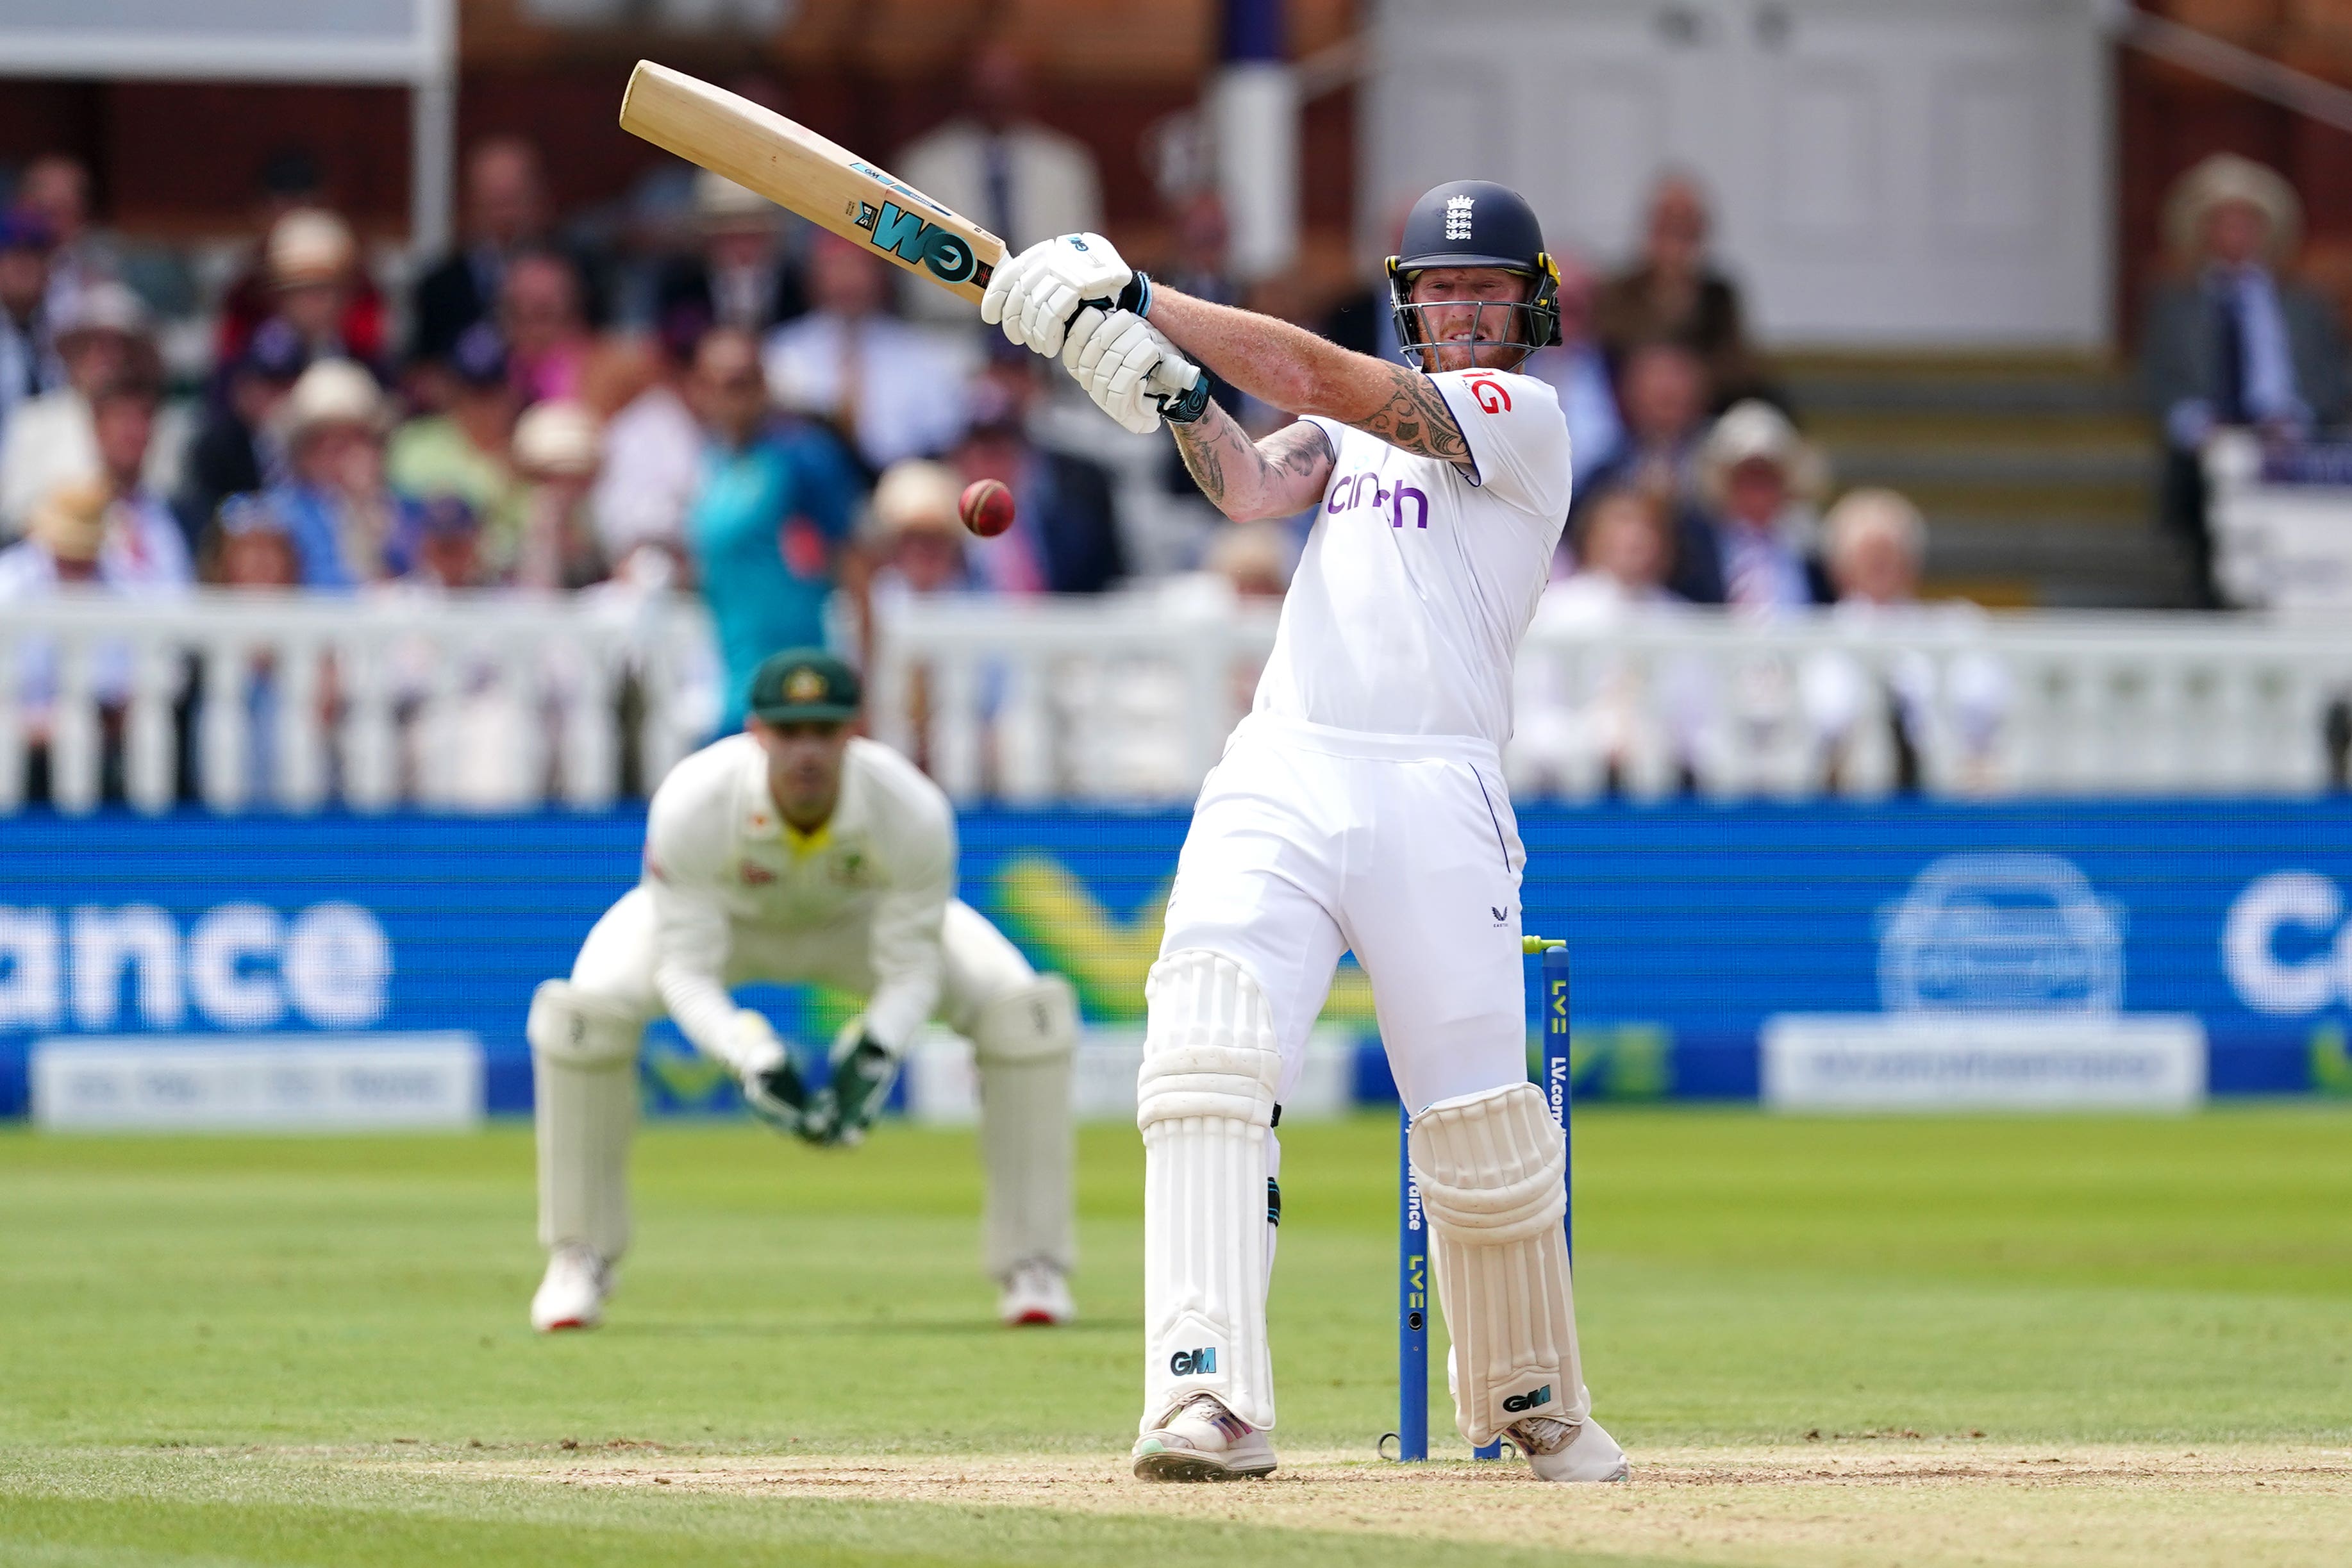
(987,508)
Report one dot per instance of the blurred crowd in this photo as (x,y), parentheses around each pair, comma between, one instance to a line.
(696,389)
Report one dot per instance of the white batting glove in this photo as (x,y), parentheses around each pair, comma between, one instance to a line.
(1127,365)
(1033,295)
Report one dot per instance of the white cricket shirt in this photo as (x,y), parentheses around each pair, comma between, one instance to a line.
(722,866)
(1419,577)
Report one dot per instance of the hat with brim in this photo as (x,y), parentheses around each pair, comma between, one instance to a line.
(805,686)
(1755,431)
(2219,181)
(70,521)
(916,495)
(103,307)
(332,391)
(722,206)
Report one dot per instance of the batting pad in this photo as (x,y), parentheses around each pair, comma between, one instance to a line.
(1205,1100)
(1023,1042)
(1491,1167)
(584,1056)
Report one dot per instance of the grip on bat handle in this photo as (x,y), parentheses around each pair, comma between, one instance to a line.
(1181,388)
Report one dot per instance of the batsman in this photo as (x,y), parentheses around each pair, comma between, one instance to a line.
(1358,806)
(799,852)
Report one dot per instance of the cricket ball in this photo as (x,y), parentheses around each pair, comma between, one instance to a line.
(986,506)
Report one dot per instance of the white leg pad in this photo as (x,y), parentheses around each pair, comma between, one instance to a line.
(1490,1167)
(1023,1042)
(583,1055)
(1205,1100)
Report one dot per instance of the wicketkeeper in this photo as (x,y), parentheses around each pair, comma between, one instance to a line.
(795,852)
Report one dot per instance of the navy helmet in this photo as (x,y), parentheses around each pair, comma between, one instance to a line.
(1475,223)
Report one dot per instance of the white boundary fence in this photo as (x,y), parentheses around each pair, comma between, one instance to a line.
(501,704)
(297,703)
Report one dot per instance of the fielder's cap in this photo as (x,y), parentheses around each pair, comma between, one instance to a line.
(805,685)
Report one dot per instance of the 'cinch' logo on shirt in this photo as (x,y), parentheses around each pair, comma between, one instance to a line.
(1349,492)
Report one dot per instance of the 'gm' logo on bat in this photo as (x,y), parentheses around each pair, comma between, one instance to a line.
(1202,1363)
(1518,1402)
(915,239)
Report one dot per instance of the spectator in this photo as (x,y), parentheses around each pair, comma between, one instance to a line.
(1876,546)
(141,528)
(1757,477)
(1673,292)
(770,527)
(1253,560)
(2230,343)
(1578,372)
(237,449)
(885,387)
(251,548)
(29,365)
(467,452)
(650,457)
(750,272)
(506,212)
(1662,389)
(56,189)
(996,164)
(918,533)
(1365,318)
(335,504)
(49,440)
(1589,726)
(441,547)
(555,454)
(546,334)
(1064,536)
(310,278)
(80,538)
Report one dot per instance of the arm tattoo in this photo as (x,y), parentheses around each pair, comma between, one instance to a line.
(1247,480)
(1415,418)
(1297,448)
(1207,444)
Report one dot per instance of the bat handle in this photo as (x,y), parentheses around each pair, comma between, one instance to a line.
(1181,388)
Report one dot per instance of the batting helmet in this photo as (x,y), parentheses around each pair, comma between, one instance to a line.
(1475,223)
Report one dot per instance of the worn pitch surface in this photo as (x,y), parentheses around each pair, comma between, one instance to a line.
(1919,1341)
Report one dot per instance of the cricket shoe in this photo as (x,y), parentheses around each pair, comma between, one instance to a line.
(1036,1294)
(572,1294)
(1569,1450)
(1203,1441)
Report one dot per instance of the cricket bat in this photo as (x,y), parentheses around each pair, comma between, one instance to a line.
(799,170)
(831,186)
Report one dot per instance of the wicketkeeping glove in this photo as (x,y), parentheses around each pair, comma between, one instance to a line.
(772,1084)
(862,1074)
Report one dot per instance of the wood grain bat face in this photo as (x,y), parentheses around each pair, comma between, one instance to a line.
(806,174)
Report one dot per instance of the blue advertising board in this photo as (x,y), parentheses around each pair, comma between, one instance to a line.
(1693,927)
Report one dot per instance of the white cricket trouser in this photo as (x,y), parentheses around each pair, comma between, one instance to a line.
(1310,842)
(1024,1067)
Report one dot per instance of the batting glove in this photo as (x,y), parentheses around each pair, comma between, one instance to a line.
(1033,295)
(1131,370)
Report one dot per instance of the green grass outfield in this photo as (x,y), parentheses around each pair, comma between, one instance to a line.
(293,1351)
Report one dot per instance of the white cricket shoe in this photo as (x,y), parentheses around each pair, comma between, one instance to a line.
(1203,1441)
(572,1294)
(1036,1293)
(1569,1450)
